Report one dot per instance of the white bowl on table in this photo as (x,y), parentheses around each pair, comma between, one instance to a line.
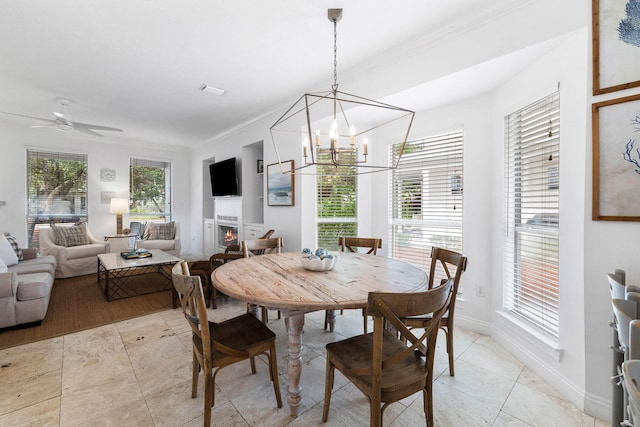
(317,264)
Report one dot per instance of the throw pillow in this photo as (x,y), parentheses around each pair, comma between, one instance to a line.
(160,231)
(14,245)
(67,236)
(7,253)
(3,266)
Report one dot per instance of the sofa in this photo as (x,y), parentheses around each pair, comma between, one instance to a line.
(158,235)
(74,248)
(26,281)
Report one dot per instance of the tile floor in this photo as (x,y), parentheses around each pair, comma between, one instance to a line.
(138,373)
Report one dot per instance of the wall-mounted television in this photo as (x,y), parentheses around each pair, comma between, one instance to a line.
(224,178)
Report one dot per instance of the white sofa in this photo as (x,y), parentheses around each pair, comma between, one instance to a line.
(171,246)
(76,260)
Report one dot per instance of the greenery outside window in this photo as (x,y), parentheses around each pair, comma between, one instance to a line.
(56,190)
(149,190)
(426,203)
(337,213)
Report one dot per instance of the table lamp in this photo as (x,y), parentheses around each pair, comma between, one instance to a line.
(118,207)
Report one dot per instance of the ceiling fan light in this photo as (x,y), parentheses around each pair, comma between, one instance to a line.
(212,90)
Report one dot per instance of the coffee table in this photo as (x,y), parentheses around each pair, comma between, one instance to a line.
(130,277)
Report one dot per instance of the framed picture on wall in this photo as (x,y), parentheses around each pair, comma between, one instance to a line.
(616,45)
(280,184)
(616,159)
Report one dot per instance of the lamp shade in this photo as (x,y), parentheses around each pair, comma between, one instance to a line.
(119,206)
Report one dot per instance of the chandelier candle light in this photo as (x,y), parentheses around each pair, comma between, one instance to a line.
(319,120)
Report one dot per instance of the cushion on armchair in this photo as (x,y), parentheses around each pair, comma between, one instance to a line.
(69,236)
(7,253)
(14,244)
(160,231)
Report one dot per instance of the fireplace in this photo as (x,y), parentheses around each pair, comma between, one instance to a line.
(227,231)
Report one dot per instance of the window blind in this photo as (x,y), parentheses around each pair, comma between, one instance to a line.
(56,189)
(337,201)
(149,190)
(532,184)
(426,203)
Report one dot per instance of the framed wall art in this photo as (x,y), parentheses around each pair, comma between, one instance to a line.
(616,159)
(616,45)
(280,186)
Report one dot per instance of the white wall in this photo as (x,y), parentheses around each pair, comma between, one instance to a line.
(564,368)
(101,154)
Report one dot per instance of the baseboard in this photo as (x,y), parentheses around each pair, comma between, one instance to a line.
(565,388)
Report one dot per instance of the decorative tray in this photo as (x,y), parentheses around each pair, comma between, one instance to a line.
(136,254)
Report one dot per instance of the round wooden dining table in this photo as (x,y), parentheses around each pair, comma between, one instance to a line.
(278,281)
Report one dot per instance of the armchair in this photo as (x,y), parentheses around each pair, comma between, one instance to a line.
(157,235)
(72,259)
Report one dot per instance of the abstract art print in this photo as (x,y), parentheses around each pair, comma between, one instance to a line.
(280,184)
(616,45)
(616,159)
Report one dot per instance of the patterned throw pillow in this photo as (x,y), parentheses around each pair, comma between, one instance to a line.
(160,231)
(14,244)
(68,236)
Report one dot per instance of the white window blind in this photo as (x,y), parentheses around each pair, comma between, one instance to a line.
(337,213)
(532,184)
(56,189)
(426,198)
(149,190)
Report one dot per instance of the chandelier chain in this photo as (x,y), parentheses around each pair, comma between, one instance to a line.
(335,55)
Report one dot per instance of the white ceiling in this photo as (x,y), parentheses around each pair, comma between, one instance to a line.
(137,64)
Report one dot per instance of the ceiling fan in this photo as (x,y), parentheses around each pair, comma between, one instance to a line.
(63,122)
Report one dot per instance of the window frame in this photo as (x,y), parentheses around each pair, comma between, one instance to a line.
(167,214)
(437,196)
(334,223)
(35,214)
(531,288)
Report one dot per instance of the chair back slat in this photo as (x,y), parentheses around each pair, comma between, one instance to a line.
(261,246)
(351,244)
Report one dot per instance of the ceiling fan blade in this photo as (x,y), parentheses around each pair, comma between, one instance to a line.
(44,126)
(29,117)
(96,127)
(87,131)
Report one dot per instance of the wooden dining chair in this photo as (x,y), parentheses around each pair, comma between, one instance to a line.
(382,365)
(258,247)
(218,345)
(445,265)
(352,244)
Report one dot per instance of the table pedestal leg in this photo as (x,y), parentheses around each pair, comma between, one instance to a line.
(294,323)
(253,309)
(331,319)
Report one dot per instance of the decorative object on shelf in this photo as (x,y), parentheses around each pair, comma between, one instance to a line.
(119,206)
(260,166)
(280,184)
(318,124)
(320,260)
(616,159)
(616,45)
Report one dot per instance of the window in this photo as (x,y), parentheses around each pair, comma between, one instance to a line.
(337,213)
(532,184)
(56,190)
(149,190)
(426,198)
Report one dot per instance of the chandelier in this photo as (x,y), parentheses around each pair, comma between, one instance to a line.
(336,130)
